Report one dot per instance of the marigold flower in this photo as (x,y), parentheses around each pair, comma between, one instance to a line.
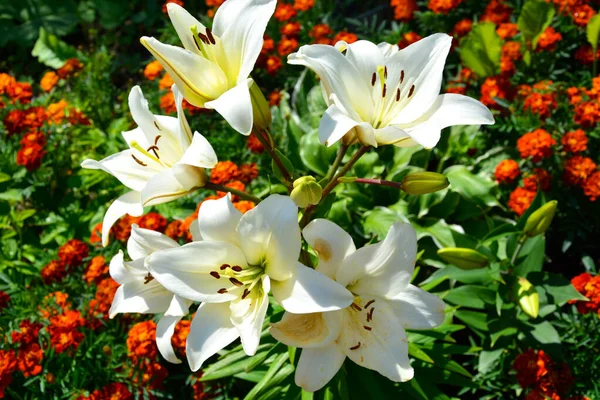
(56,112)
(540,177)
(5,81)
(141,341)
(456,88)
(530,367)
(76,117)
(507,171)
(520,200)
(345,36)
(284,12)
(182,330)
(28,332)
(105,292)
(244,205)
(8,365)
(507,30)
(582,13)
(591,186)
(537,145)
(72,66)
(165,82)
(462,27)
(275,98)
(153,221)
(73,252)
(548,39)
(443,6)
(20,91)
(54,271)
(214,3)
(248,172)
(273,64)
(63,331)
(254,145)
(287,46)
(588,286)
(511,51)
(291,29)
(29,360)
(33,137)
(224,172)
(167,103)
(53,304)
(122,228)
(303,5)
(49,80)
(587,113)
(497,12)
(540,104)
(153,69)
(404,9)
(173,230)
(95,235)
(236,185)
(30,156)
(268,45)
(96,270)
(578,169)
(320,30)
(575,141)
(409,38)
(585,54)
(495,87)
(4,299)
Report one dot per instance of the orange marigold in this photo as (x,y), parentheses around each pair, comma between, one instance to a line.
(248,172)
(54,304)
(73,252)
(304,5)
(268,45)
(578,169)
(495,87)
(591,186)
(153,70)
(236,185)
(56,112)
(63,331)
(165,82)
(96,234)
(273,64)
(404,9)
(71,66)
(540,104)
(540,177)
(49,80)
(28,332)
(8,365)
(462,27)
(507,30)
(29,360)
(96,270)
(582,14)
(497,12)
(224,172)
(443,6)
(30,156)
(520,200)
(20,91)
(409,38)
(575,141)
(54,271)
(548,39)
(537,145)
(319,31)
(141,341)
(105,292)
(587,113)
(167,103)
(33,137)
(5,81)
(122,228)
(507,171)
(153,221)
(275,98)
(173,230)
(284,12)
(291,29)
(244,205)
(182,330)
(254,145)
(346,37)
(287,46)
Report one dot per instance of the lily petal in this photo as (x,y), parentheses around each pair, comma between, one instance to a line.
(200,153)
(144,242)
(129,203)
(307,330)
(418,309)
(235,105)
(183,128)
(182,22)
(123,167)
(248,316)
(318,366)
(141,114)
(172,184)
(211,331)
(334,125)
(309,291)
(331,243)
(164,331)
(217,220)
(139,297)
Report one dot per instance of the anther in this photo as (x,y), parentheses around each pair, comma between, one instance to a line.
(384,91)
(401,76)
(210,36)
(356,307)
(245,294)
(370,314)
(367,327)
(154,150)
(355,347)
(148,278)
(203,38)
(157,137)
(411,91)
(196,43)
(235,282)
(369,303)
(215,274)
(385,72)
(225,266)
(222,291)
(398,94)
(373,79)
(138,161)
(237,268)
(157,127)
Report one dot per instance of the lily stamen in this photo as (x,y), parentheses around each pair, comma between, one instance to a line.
(355,347)
(215,274)
(148,278)
(138,161)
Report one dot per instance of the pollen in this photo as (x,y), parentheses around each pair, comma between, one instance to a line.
(148,278)
(215,274)
(411,91)
(355,347)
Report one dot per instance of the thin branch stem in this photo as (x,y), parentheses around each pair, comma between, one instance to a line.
(239,193)
(380,182)
(265,139)
(518,249)
(336,163)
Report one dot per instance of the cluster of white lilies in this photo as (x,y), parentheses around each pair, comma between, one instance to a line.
(357,303)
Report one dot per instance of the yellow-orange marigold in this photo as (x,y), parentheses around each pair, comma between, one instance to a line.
(578,169)
(49,80)
(507,171)
(575,141)
(141,340)
(537,145)
(520,200)
(284,12)
(591,186)
(56,112)
(153,70)
(304,5)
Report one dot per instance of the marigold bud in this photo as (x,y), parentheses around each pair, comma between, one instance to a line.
(529,298)
(424,182)
(539,220)
(306,191)
(463,258)
(261,112)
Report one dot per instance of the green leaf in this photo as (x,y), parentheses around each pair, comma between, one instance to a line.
(267,382)
(471,296)
(415,351)
(314,155)
(474,319)
(462,275)
(52,51)
(4,177)
(558,289)
(286,163)
(532,256)
(480,50)
(536,16)
(593,31)
(472,187)
(487,360)
(438,230)
(543,332)
(378,221)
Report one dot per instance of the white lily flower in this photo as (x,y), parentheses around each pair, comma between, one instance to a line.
(164,160)
(232,269)
(139,292)
(213,68)
(380,95)
(371,332)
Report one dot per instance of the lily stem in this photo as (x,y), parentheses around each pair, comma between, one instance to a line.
(381,182)
(518,249)
(333,183)
(239,193)
(264,137)
(336,163)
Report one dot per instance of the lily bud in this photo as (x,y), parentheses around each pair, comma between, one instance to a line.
(424,182)
(306,191)
(529,298)
(260,107)
(539,220)
(463,258)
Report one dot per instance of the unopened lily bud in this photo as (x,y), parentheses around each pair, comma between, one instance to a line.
(261,112)
(424,182)
(463,258)
(529,298)
(306,191)
(539,220)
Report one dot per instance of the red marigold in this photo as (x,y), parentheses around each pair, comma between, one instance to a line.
(236,185)
(76,117)
(497,12)
(173,230)
(495,87)
(587,113)
(8,365)
(96,270)
(575,141)
(4,299)
(54,271)
(507,30)
(28,332)
(141,341)
(537,145)
(273,64)
(153,221)
(33,137)
(462,27)
(291,29)
(254,145)
(49,80)
(105,292)
(588,286)
(20,91)
(346,37)
(73,252)
(96,234)
(520,200)
(530,367)
(319,31)
(224,172)
(30,156)
(268,45)
(178,340)
(275,98)
(112,391)
(404,9)
(244,205)
(287,46)
(408,39)
(29,359)
(591,186)
(122,229)
(548,39)
(582,13)
(585,54)
(507,171)
(539,177)
(443,6)
(284,12)
(63,331)
(304,5)
(540,104)
(578,169)
(71,66)
(248,172)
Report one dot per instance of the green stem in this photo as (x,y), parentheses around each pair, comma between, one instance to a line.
(265,139)
(518,249)
(336,163)
(239,193)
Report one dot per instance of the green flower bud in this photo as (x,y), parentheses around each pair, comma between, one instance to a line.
(539,220)
(261,112)
(529,298)
(424,182)
(463,258)
(306,191)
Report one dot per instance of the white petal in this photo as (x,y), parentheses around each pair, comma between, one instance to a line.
(118,271)
(217,220)
(248,315)
(164,331)
(211,331)
(183,128)
(390,135)
(384,268)
(241,26)
(182,22)
(270,233)
(334,125)
(418,309)
(179,307)
(235,106)
(123,167)
(129,203)
(139,297)
(186,270)
(309,291)
(172,184)
(331,243)
(316,367)
(198,78)
(367,58)
(383,348)
(307,330)
(144,242)
(200,153)
(427,134)
(388,49)
(195,231)
(141,114)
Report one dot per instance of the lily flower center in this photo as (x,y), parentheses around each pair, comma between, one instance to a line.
(248,278)
(151,153)
(362,312)
(389,99)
